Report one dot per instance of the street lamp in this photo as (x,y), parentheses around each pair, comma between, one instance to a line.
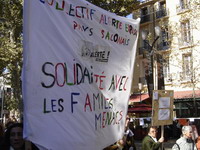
(151,51)
(153,72)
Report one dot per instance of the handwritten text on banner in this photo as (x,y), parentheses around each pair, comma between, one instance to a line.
(77,74)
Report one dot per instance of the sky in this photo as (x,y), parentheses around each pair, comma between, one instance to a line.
(129,16)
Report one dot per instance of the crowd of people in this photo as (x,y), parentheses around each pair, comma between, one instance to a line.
(11,138)
(188,140)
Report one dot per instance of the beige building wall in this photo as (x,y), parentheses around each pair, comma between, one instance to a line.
(182,22)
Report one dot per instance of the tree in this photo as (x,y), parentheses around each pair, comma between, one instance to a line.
(119,7)
(11,47)
(11,40)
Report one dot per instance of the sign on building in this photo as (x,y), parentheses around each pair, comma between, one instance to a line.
(162,105)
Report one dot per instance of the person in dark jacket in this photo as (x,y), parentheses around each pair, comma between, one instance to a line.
(150,141)
(13,138)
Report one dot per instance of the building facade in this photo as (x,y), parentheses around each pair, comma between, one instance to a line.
(176,52)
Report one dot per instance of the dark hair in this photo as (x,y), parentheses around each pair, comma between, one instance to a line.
(6,141)
(152,127)
(8,124)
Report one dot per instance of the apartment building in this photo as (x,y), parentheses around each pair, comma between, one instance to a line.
(174,54)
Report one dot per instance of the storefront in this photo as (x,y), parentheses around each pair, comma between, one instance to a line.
(187,105)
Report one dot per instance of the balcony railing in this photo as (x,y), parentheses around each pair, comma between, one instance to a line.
(161,13)
(163,45)
(144,48)
(145,18)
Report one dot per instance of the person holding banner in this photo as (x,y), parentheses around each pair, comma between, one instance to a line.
(150,141)
(127,142)
(185,142)
(128,136)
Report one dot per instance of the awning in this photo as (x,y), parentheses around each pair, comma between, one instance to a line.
(136,97)
(186,94)
(177,95)
(140,108)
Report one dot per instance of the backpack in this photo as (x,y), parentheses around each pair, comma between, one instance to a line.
(176,147)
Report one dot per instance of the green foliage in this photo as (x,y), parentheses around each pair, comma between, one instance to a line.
(119,7)
(11,45)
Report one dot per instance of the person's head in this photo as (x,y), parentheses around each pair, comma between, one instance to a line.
(152,131)
(14,136)
(187,131)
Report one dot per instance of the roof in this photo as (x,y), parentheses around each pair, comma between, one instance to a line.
(177,95)
(136,97)
(140,108)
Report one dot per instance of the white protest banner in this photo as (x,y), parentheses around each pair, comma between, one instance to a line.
(77,74)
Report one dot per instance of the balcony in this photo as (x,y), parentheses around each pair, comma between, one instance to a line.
(144,48)
(164,45)
(147,2)
(145,18)
(182,8)
(161,13)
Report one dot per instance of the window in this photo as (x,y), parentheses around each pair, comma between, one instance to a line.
(162,5)
(145,17)
(166,69)
(144,11)
(183,4)
(187,67)
(161,10)
(185,31)
(164,38)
